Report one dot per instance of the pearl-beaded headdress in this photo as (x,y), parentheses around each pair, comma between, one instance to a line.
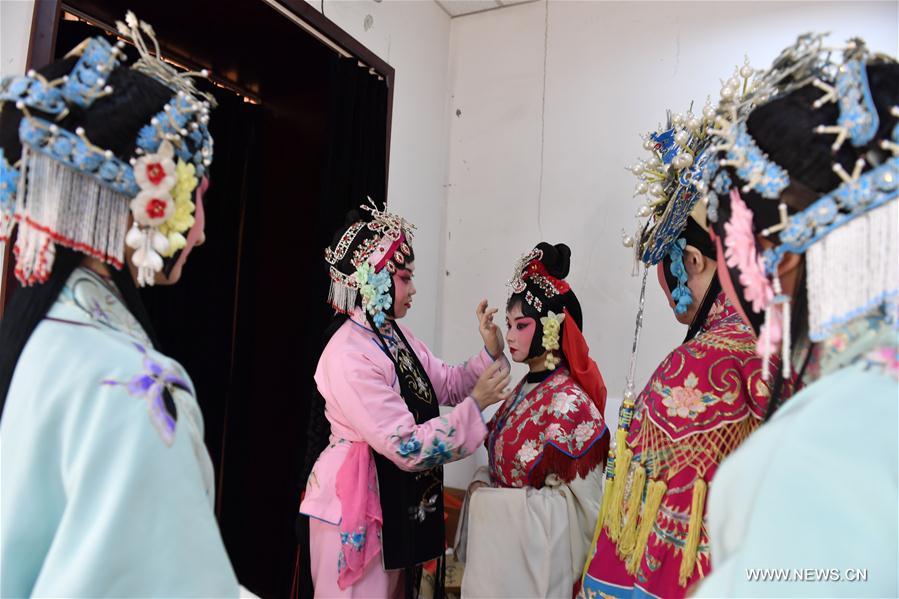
(860,215)
(66,190)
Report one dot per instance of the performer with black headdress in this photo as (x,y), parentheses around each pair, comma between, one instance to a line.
(529,516)
(807,221)
(375,494)
(107,487)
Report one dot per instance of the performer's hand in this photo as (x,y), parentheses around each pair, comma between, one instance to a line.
(493,385)
(493,338)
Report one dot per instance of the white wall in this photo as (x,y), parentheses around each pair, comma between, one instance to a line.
(413,37)
(15,29)
(611,70)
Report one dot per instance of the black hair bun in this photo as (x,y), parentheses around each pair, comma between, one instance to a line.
(355,215)
(556,259)
(785,129)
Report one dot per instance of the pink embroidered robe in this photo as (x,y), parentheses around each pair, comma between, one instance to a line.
(363,405)
(703,400)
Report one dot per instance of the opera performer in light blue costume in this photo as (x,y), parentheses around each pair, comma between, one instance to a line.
(808,241)
(106,486)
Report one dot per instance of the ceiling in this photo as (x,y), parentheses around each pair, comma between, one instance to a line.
(458,8)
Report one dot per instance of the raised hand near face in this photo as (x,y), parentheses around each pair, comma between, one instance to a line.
(493,339)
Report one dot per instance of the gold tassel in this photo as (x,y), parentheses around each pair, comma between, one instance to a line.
(607,488)
(607,491)
(629,530)
(655,492)
(622,465)
(691,547)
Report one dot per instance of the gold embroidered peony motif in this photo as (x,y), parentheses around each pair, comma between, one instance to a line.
(412,375)
(687,401)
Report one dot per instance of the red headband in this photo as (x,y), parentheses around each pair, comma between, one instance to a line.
(389,252)
(536,268)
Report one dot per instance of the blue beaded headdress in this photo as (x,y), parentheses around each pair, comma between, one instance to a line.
(66,190)
(859,215)
(671,181)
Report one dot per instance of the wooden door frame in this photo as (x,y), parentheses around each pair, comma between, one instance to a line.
(42,48)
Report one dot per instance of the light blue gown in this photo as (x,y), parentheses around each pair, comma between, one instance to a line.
(807,506)
(106,486)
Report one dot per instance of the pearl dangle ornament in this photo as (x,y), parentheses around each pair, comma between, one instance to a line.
(682,160)
(728,93)
(693,125)
(746,70)
(148,245)
(708,111)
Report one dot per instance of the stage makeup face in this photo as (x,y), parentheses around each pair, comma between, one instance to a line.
(404,289)
(520,333)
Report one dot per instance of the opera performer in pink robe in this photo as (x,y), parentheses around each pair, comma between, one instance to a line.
(375,494)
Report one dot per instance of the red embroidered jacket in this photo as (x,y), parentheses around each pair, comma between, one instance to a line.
(555,428)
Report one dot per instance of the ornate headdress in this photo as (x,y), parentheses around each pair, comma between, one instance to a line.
(543,291)
(861,212)
(680,173)
(539,279)
(66,190)
(670,180)
(363,260)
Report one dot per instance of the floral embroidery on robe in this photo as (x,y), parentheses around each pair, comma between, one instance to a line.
(703,400)
(555,428)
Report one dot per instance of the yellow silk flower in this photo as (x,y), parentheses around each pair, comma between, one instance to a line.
(183,217)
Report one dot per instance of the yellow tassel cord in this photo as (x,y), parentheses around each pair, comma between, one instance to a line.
(691,547)
(603,507)
(629,531)
(655,492)
(622,465)
(607,491)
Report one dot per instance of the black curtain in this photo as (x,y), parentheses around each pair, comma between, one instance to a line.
(356,166)
(356,169)
(247,318)
(196,319)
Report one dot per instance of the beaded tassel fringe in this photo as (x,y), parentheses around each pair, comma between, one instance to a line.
(341,297)
(854,270)
(58,205)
